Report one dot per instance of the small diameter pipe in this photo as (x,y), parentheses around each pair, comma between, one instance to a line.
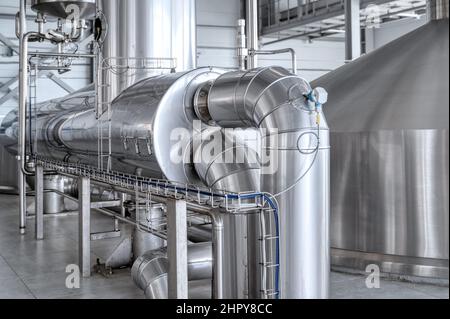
(23,95)
(21,24)
(242,51)
(280,51)
(252,31)
(65,55)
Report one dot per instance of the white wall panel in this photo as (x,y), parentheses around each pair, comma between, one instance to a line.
(377,37)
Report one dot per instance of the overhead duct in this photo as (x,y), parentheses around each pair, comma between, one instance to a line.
(389,121)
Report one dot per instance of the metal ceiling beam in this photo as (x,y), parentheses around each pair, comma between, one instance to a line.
(4,87)
(325,9)
(61,83)
(9,44)
(320,31)
(8,96)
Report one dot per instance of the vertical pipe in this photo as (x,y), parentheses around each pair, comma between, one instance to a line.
(22,104)
(296,171)
(177,249)
(242,51)
(352,30)
(39,202)
(252,32)
(218,250)
(22,199)
(84,226)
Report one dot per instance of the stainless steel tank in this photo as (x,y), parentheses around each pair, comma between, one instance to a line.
(84,9)
(389,120)
(145,35)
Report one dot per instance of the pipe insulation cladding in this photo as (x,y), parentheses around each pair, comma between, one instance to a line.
(296,138)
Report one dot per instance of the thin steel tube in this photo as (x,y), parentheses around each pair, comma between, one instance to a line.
(64,55)
(252,32)
(22,117)
(280,51)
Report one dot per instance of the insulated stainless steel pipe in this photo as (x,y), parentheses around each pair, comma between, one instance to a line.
(150,271)
(272,99)
(240,173)
(297,137)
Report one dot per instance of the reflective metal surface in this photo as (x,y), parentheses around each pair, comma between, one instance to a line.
(110,47)
(149,271)
(144,118)
(144,241)
(140,29)
(85,9)
(234,168)
(297,173)
(404,268)
(294,133)
(390,192)
(389,119)
(54,203)
(166,29)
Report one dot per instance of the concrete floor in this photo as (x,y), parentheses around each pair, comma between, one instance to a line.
(36,269)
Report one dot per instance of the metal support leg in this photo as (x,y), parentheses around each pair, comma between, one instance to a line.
(84,226)
(177,249)
(116,225)
(39,202)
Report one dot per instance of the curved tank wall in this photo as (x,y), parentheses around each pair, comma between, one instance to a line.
(389,118)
